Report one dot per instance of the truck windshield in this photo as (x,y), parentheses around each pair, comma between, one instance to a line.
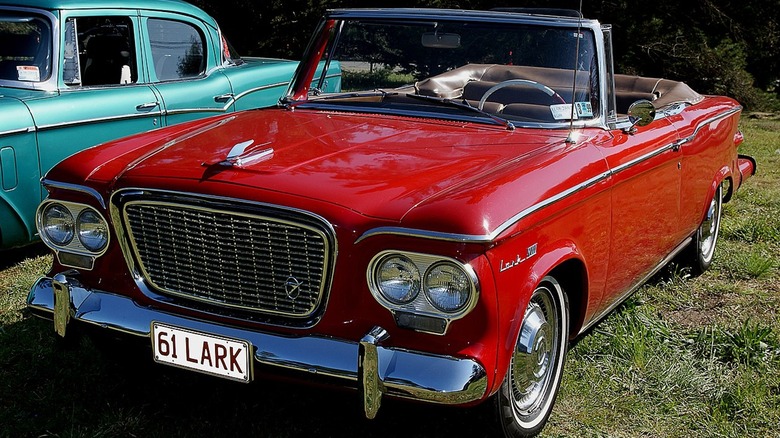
(526,72)
(25,48)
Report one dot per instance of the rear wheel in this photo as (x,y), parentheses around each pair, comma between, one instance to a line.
(702,249)
(527,395)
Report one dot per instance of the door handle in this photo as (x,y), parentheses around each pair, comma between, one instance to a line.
(222,98)
(146,106)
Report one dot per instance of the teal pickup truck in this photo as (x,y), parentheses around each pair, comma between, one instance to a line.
(76,73)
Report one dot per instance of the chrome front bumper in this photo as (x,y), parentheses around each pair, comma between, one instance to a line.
(375,370)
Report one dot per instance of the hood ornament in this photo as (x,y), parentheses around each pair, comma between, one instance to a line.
(243,154)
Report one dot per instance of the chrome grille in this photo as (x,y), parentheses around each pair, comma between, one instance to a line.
(229,259)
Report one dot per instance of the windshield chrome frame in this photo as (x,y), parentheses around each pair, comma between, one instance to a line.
(51,84)
(336,17)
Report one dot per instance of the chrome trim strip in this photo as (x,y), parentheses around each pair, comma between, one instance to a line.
(18,131)
(486,238)
(712,119)
(644,157)
(401,372)
(99,120)
(261,88)
(74,187)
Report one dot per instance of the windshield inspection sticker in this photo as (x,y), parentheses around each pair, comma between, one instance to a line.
(562,112)
(584,109)
(28,73)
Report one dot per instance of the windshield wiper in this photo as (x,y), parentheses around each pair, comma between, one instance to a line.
(347,95)
(464,105)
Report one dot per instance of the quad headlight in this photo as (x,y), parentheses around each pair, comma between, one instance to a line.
(448,287)
(92,230)
(57,224)
(73,230)
(398,279)
(420,287)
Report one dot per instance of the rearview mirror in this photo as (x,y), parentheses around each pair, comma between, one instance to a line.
(441,40)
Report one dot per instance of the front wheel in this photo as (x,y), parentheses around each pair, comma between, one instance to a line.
(702,249)
(527,394)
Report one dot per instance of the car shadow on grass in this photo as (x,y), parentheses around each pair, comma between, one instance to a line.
(106,387)
(12,257)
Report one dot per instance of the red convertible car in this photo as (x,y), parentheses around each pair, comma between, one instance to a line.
(482,190)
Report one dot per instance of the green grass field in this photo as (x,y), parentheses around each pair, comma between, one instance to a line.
(684,357)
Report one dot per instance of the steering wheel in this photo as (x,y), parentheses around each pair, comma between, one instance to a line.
(541,87)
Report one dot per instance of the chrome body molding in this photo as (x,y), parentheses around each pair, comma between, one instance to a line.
(711,120)
(99,120)
(396,372)
(76,188)
(261,88)
(486,238)
(18,131)
(491,236)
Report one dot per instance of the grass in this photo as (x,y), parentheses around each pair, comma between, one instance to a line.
(683,357)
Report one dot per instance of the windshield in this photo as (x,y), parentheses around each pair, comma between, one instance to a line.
(25,48)
(516,72)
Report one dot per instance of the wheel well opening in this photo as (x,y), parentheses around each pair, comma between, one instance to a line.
(572,276)
(728,189)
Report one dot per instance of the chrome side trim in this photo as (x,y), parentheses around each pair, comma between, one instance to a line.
(485,238)
(645,157)
(489,237)
(261,88)
(416,375)
(711,120)
(18,131)
(74,187)
(98,120)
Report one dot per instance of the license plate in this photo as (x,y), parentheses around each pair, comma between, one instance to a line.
(203,352)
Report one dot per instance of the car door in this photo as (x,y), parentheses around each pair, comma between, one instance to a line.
(184,67)
(645,168)
(103,92)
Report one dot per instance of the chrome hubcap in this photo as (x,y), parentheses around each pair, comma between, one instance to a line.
(533,360)
(708,232)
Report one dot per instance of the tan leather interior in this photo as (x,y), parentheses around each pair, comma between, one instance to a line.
(470,82)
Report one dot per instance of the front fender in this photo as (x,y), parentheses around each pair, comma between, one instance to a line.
(518,268)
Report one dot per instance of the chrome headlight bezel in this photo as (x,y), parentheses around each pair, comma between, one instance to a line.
(76,244)
(422,304)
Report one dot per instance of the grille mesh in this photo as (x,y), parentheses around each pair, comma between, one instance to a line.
(229,259)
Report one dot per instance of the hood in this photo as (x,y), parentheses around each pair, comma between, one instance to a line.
(378,166)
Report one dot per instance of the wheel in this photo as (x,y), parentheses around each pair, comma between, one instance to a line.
(702,249)
(527,394)
(541,87)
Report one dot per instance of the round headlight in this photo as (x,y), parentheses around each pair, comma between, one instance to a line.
(58,224)
(92,230)
(398,279)
(448,287)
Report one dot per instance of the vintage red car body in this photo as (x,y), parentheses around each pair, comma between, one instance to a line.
(599,208)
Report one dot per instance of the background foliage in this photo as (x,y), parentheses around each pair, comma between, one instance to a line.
(716,46)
